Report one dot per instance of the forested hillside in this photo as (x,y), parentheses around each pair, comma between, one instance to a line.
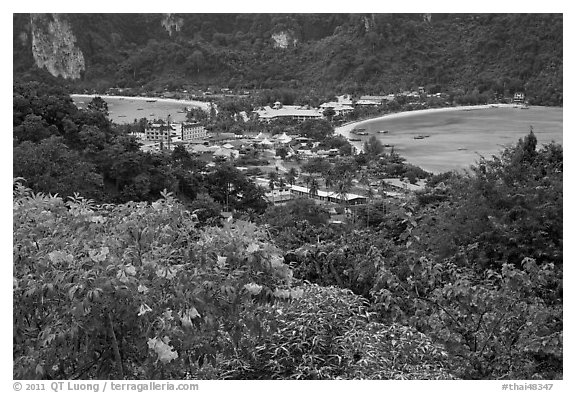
(354,53)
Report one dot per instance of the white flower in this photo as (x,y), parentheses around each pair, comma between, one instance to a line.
(164,351)
(193,313)
(253,289)
(253,247)
(281,293)
(297,293)
(131,270)
(144,308)
(221,262)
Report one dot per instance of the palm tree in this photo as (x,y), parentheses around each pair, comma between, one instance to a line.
(364,179)
(328,179)
(313,187)
(291,176)
(369,196)
(273,176)
(271,185)
(307,180)
(343,186)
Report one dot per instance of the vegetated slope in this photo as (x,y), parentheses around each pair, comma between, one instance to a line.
(352,52)
(101,292)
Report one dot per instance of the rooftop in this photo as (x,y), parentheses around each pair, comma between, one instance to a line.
(320,193)
(288,111)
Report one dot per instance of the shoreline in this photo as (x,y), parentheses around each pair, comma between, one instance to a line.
(345,129)
(200,104)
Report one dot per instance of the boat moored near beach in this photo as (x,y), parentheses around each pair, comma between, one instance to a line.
(359,131)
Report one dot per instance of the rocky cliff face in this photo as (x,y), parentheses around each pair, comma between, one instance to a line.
(172,23)
(54,46)
(284,39)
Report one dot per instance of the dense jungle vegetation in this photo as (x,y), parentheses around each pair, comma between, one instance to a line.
(493,54)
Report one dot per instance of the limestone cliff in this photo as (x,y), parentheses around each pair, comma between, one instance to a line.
(172,23)
(284,39)
(54,46)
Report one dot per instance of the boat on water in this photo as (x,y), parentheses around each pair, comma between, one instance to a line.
(358,131)
(355,139)
(524,107)
(139,109)
(383,132)
(388,145)
(151,100)
(419,137)
(362,133)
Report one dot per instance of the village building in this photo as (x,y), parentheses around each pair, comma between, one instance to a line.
(278,196)
(159,131)
(192,131)
(292,112)
(223,136)
(202,149)
(281,140)
(339,109)
(348,199)
(265,144)
(368,100)
(519,97)
(345,99)
(328,153)
(282,195)
(226,153)
(367,103)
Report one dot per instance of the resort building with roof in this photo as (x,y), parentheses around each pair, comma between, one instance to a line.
(159,131)
(293,112)
(193,131)
(328,196)
(288,192)
(339,109)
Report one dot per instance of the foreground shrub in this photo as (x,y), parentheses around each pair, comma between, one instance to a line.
(327,333)
(133,290)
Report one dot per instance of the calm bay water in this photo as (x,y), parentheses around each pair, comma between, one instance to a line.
(457,139)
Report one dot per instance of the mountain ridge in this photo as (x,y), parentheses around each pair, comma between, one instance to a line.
(372,53)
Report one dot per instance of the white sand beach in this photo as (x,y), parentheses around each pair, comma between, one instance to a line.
(200,104)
